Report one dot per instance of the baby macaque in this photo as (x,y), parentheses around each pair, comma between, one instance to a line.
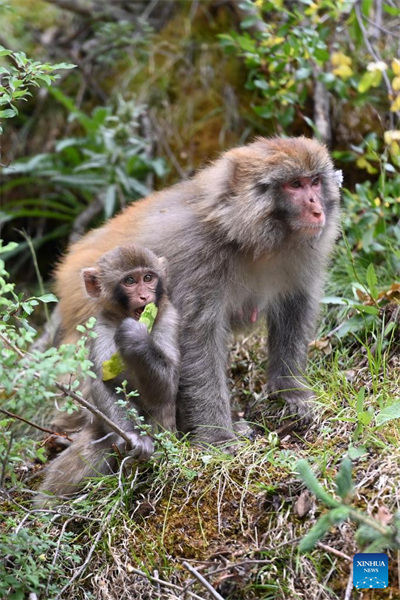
(121,284)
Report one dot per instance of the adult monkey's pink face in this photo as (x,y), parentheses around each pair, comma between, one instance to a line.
(306,208)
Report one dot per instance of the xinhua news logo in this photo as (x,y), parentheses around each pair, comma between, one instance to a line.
(370,571)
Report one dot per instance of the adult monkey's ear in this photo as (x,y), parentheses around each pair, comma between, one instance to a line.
(91,282)
(163,266)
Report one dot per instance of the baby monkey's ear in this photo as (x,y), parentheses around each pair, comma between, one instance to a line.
(91,282)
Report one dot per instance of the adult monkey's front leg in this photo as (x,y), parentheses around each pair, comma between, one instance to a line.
(291,322)
(203,403)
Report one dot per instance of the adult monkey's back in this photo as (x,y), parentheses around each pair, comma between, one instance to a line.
(247,236)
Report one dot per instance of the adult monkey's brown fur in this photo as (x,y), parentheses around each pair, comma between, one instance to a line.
(240,241)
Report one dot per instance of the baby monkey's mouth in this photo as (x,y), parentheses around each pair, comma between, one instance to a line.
(138,311)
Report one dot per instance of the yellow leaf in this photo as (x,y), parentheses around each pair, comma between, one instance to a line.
(369,79)
(338,59)
(396,84)
(396,66)
(272,41)
(343,71)
(395,149)
(113,367)
(311,9)
(362,163)
(395,105)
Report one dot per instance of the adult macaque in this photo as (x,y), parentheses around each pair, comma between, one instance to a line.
(247,236)
(123,282)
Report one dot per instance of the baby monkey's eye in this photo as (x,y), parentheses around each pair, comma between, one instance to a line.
(148,278)
(129,280)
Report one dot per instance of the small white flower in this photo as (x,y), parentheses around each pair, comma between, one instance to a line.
(377,66)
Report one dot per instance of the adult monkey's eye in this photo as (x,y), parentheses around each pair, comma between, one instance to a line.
(129,280)
(316,180)
(295,184)
(148,278)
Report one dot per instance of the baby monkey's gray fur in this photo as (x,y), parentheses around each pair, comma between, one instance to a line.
(152,368)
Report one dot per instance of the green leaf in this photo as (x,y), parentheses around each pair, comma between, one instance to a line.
(46,78)
(136,186)
(246,43)
(366,416)
(79,180)
(311,482)
(360,400)
(8,113)
(322,526)
(355,452)
(63,66)
(353,325)
(391,10)
(149,315)
(389,413)
(46,298)
(369,310)
(261,84)
(372,281)
(7,247)
(344,483)
(265,112)
(303,73)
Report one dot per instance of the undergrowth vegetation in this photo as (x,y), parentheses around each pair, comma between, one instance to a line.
(158,88)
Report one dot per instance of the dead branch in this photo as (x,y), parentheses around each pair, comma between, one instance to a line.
(161,582)
(322,109)
(35,425)
(203,581)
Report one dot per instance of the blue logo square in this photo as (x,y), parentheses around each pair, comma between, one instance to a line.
(370,571)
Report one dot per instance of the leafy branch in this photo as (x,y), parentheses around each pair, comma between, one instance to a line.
(378,536)
(22,73)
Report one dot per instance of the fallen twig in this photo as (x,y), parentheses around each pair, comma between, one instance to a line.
(203,581)
(334,551)
(163,583)
(349,587)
